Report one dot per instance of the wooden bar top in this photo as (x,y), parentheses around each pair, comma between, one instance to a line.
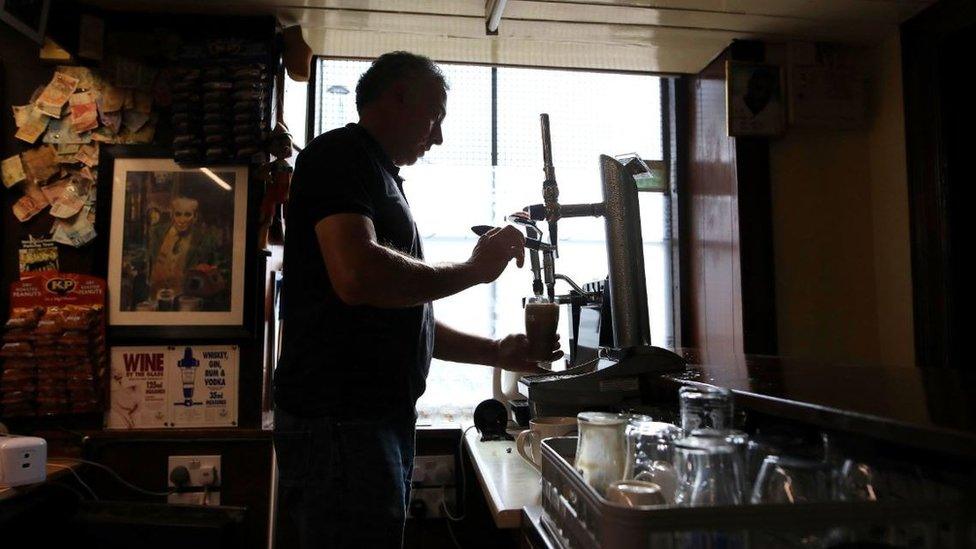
(929,409)
(509,483)
(54,472)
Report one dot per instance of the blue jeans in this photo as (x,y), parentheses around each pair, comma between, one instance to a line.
(345,483)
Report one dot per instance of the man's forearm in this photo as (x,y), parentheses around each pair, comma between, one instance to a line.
(391,279)
(455,346)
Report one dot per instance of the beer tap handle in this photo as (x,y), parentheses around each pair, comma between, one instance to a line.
(549,272)
(536,212)
(534,245)
(550,189)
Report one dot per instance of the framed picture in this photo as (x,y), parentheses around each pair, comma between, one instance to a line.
(176,242)
(755,99)
(27,16)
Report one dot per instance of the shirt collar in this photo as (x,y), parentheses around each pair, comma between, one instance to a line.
(377,150)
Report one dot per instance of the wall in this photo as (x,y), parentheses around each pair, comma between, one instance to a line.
(889,204)
(840,230)
(141,457)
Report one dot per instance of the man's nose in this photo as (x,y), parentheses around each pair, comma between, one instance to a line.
(436,137)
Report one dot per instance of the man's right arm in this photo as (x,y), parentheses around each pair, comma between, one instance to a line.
(364,272)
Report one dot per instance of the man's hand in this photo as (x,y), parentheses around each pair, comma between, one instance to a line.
(494,250)
(513,351)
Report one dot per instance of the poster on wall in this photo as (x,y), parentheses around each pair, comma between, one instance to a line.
(176,244)
(754,93)
(185,386)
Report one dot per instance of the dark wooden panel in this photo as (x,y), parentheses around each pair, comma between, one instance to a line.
(937,49)
(712,230)
(725,205)
(142,459)
(754,197)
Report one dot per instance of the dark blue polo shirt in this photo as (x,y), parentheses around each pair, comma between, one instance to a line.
(339,360)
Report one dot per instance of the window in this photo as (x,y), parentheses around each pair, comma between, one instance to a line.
(490,165)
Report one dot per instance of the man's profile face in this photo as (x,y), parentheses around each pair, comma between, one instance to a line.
(184,213)
(423,108)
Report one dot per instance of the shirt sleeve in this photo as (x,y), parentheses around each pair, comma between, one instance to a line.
(333,183)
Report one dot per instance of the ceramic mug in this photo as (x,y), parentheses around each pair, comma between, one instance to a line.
(540,428)
(635,493)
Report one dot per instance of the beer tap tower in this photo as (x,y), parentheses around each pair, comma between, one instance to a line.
(632,355)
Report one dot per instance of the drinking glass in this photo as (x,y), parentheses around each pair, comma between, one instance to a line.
(708,472)
(740,442)
(788,480)
(855,482)
(792,480)
(704,407)
(651,442)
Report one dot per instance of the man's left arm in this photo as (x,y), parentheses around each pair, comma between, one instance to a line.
(508,353)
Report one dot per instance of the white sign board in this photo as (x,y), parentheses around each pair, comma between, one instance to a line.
(173,387)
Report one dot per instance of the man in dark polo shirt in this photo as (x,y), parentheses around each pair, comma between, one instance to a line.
(359,329)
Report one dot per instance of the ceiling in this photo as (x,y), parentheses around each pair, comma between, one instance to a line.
(661,36)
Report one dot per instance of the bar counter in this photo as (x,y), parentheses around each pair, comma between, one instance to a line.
(508,482)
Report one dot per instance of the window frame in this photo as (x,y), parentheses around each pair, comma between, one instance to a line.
(672,143)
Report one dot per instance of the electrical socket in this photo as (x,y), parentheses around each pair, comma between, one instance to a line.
(436,470)
(432,498)
(204,471)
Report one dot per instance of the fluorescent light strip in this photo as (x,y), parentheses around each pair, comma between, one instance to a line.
(216,178)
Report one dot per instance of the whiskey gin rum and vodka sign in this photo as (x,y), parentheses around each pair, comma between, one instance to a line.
(181,386)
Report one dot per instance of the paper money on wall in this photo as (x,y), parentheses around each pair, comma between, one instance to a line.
(56,94)
(13,171)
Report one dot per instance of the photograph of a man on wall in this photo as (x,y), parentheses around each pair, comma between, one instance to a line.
(176,252)
(177,242)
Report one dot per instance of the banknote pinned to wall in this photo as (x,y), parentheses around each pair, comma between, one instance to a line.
(31,123)
(113,98)
(13,171)
(20,114)
(61,132)
(69,202)
(88,154)
(40,164)
(26,207)
(52,191)
(86,78)
(56,94)
(133,120)
(84,114)
(33,190)
(66,153)
(76,231)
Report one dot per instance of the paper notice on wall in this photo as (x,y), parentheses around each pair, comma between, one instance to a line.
(138,388)
(173,387)
(205,388)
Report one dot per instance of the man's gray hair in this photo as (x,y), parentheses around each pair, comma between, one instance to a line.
(184,198)
(391,67)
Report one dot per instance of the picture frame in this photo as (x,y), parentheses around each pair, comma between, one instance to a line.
(176,246)
(29,17)
(755,99)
